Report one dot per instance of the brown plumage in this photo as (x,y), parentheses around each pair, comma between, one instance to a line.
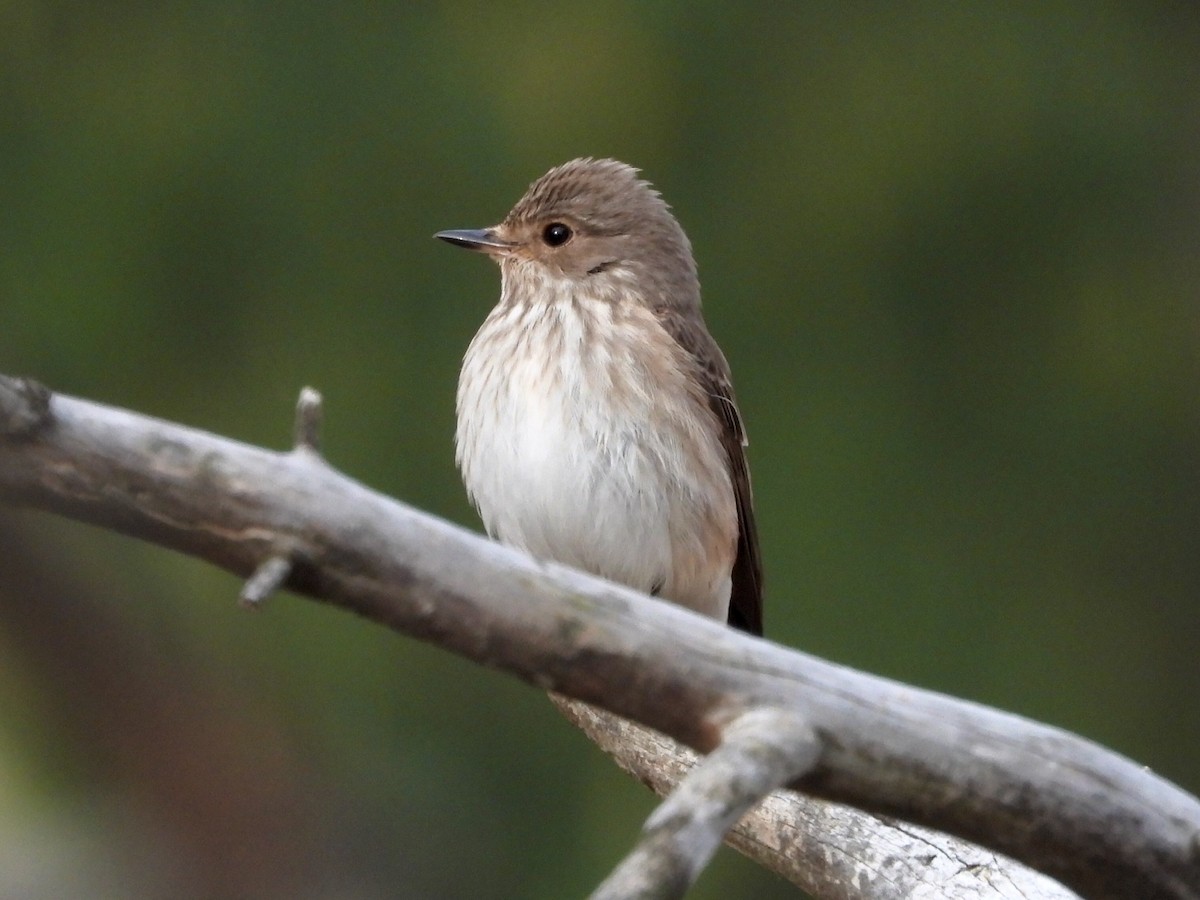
(597,423)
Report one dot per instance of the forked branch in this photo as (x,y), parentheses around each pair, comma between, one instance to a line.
(1084,815)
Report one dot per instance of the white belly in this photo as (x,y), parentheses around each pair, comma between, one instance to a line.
(603,458)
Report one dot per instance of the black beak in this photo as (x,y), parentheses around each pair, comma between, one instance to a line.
(474,239)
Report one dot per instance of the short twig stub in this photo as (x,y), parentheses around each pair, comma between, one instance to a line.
(269,577)
(309,412)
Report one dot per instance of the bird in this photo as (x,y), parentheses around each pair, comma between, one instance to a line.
(596,419)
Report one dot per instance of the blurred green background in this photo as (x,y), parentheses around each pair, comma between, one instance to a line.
(951,250)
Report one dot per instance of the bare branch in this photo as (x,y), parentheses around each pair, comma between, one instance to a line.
(761,750)
(831,851)
(1088,817)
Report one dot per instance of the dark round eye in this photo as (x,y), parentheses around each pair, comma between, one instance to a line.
(556,234)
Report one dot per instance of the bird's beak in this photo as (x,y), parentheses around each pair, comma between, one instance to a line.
(484,239)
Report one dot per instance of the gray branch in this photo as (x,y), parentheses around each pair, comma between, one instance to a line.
(832,851)
(1088,817)
(760,750)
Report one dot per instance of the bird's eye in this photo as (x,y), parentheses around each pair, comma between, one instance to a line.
(556,234)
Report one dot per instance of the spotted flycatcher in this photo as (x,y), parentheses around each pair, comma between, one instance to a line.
(596,419)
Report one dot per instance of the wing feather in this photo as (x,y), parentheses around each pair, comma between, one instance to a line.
(745,602)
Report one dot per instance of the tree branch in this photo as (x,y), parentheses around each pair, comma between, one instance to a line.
(831,851)
(760,750)
(1086,816)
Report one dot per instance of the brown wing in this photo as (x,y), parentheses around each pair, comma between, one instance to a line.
(745,601)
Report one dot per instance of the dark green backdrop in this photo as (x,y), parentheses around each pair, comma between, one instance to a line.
(951,250)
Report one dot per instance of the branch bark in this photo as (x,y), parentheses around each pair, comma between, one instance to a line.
(760,750)
(1086,816)
(831,851)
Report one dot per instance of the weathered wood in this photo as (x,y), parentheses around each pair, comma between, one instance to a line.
(1094,820)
